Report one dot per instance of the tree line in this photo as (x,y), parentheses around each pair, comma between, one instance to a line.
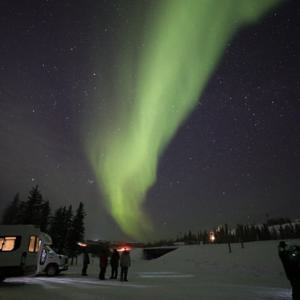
(65,226)
(273,229)
(243,233)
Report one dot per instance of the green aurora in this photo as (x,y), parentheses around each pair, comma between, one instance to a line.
(156,88)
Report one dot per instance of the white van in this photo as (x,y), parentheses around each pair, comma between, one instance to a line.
(19,250)
(25,250)
(49,261)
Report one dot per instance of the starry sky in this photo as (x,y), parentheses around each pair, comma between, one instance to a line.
(235,159)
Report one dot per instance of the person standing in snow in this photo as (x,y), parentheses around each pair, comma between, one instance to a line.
(125,262)
(86,261)
(290,258)
(114,263)
(103,265)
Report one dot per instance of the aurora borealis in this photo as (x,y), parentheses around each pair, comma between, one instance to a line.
(91,110)
(184,42)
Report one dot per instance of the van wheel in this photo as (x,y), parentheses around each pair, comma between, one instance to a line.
(52,270)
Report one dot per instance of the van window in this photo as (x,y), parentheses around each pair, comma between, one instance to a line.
(33,244)
(38,245)
(9,243)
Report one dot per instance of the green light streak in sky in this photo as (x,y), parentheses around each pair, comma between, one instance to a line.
(156,91)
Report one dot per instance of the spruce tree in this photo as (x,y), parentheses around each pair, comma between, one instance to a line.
(69,224)
(205,237)
(78,222)
(61,229)
(11,211)
(45,213)
(56,228)
(76,233)
(30,210)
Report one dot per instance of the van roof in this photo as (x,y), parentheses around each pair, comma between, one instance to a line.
(18,229)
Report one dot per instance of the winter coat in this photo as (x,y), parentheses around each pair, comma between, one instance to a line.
(125,259)
(103,261)
(86,259)
(290,258)
(114,260)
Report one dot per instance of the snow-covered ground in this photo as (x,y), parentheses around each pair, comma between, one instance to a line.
(190,272)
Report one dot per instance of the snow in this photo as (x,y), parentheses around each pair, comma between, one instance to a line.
(190,272)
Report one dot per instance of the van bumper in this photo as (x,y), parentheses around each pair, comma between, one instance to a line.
(63,268)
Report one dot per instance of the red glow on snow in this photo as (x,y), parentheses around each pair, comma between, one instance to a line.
(122,249)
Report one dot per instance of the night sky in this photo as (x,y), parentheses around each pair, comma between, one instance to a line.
(235,159)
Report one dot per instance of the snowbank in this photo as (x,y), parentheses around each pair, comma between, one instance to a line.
(190,272)
(256,264)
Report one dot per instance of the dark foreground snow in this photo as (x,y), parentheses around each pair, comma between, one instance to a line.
(191,272)
(71,287)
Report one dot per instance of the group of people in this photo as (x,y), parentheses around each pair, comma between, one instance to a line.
(116,260)
(289,256)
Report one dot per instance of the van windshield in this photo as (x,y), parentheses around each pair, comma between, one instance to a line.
(50,250)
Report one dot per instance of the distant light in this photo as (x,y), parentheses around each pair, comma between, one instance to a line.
(122,249)
(212,237)
(82,244)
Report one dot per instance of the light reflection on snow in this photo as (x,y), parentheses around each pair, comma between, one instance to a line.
(64,287)
(50,282)
(274,293)
(158,273)
(168,276)
(164,275)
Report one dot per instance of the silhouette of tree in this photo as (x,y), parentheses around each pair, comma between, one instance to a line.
(60,226)
(76,232)
(45,214)
(30,210)
(10,213)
